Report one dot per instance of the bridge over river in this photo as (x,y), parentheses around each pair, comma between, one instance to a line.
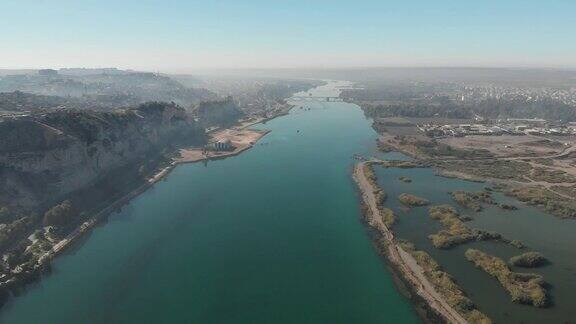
(317,98)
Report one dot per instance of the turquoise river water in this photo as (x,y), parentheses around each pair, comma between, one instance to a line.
(271,236)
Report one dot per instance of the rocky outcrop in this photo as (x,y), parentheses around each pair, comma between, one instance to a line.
(45,157)
(218,113)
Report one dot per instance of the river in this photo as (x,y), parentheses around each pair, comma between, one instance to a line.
(271,236)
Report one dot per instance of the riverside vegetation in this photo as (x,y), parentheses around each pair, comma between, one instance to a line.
(472,200)
(524,288)
(446,285)
(455,232)
(545,199)
(536,195)
(387,215)
(412,200)
(496,169)
(452,295)
(528,260)
(442,281)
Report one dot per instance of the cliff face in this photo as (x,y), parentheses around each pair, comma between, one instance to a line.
(218,113)
(49,156)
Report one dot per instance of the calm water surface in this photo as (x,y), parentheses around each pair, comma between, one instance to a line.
(555,238)
(271,236)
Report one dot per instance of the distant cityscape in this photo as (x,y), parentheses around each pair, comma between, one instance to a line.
(474,94)
(510,126)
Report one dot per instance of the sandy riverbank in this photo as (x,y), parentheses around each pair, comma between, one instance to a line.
(242,139)
(400,259)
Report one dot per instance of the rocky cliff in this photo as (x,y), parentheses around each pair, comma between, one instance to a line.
(43,158)
(218,112)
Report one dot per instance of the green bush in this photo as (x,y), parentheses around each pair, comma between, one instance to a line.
(528,260)
(445,285)
(472,200)
(412,200)
(524,288)
(60,214)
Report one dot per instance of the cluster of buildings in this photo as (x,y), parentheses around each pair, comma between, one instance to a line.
(223,145)
(533,126)
(478,93)
(9,115)
(458,130)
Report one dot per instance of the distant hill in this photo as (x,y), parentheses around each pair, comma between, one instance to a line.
(106,88)
(218,113)
(22,101)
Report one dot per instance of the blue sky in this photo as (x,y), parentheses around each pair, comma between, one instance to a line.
(187,35)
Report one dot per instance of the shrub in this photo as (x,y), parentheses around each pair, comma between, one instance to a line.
(60,214)
(524,288)
(528,260)
(412,200)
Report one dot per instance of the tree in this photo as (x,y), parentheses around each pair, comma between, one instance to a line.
(4,215)
(60,214)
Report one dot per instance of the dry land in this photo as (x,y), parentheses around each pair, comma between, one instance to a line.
(241,139)
(506,145)
(537,169)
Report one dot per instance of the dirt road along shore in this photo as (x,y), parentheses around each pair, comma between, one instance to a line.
(403,261)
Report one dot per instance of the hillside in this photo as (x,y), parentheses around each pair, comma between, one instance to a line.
(66,150)
(218,112)
(103,89)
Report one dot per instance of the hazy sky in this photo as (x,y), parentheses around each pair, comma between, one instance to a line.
(187,34)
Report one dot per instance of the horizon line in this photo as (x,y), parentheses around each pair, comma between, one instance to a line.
(351,67)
